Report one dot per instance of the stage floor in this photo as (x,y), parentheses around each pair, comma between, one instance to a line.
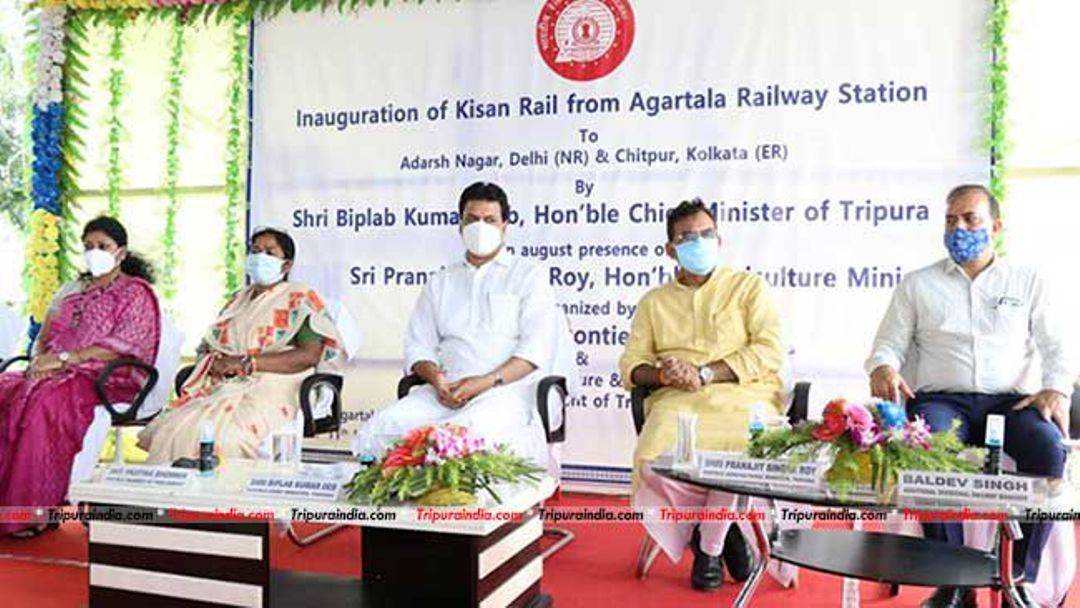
(596,569)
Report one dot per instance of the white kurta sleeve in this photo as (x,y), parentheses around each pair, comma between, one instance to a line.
(1059,368)
(539,322)
(422,333)
(895,333)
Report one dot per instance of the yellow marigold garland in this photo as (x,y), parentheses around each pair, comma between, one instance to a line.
(41,259)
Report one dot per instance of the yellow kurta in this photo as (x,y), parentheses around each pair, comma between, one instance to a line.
(731,318)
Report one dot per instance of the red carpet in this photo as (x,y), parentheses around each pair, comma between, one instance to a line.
(595,570)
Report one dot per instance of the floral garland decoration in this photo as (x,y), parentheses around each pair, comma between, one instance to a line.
(118,22)
(47,124)
(71,141)
(235,157)
(172,155)
(999,103)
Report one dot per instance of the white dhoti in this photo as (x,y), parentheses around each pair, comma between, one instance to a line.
(656,491)
(503,415)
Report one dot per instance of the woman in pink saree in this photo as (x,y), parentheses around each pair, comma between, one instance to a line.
(110,312)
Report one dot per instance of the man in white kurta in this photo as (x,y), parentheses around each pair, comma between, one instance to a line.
(481,334)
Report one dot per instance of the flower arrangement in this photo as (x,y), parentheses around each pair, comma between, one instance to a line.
(868,445)
(444,464)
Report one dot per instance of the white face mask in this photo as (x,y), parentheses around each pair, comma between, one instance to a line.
(481,238)
(99,262)
(264,269)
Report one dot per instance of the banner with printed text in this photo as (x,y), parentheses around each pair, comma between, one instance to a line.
(823,134)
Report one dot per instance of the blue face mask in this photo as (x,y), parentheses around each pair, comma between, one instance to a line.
(698,256)
(264,269)
(966,245)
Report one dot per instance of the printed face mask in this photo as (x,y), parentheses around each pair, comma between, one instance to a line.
(966,245)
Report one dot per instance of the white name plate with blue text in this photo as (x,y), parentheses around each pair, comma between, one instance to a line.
(966,488)
(295,486)
(735,467)
(148,475)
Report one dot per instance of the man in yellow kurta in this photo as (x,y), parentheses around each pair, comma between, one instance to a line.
(709,344)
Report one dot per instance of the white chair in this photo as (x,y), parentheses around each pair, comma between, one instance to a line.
(12,331)
(147,404)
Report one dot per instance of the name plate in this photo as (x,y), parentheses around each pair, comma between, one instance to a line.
(295,486)
(966,488)
(148,475)
(725,466)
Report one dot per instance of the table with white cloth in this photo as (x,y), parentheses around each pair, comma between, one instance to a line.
(170,561)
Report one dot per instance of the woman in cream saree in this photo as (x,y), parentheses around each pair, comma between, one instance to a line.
(246,381)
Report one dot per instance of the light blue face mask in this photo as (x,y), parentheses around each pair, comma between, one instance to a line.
(264,269)
(698,256)
(966,245)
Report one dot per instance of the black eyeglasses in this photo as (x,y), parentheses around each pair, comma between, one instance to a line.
(693,235)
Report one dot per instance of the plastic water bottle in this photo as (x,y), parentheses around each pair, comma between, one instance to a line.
(757,420)
(995,442)
(206,449)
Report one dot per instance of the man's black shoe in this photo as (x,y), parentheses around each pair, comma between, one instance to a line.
(708,571)
(737,555)
(950,597)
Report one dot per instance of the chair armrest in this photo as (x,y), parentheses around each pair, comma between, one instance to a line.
(8,363)
(408,383)
(543,392)
(182,378)
(140,397)
(331,382)
(638,395)
(800,403)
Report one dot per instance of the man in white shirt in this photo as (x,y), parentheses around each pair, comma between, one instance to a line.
(479,332)
(973,324)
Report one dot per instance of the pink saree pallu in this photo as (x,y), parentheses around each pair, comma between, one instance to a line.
(42,422)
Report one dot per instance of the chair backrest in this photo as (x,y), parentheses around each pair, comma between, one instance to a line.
(167,364)
(12,331)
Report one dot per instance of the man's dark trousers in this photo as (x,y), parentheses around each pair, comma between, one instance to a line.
(1036,444)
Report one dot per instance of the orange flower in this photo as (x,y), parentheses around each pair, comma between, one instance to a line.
(833,422)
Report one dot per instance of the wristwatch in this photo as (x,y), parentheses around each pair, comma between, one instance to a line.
(499,380)
(63,357)
(706,375)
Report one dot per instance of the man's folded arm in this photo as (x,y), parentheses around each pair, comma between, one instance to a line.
(637,363)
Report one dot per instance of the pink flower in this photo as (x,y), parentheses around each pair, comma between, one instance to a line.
(917,433)
(865,438)
(858,416)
